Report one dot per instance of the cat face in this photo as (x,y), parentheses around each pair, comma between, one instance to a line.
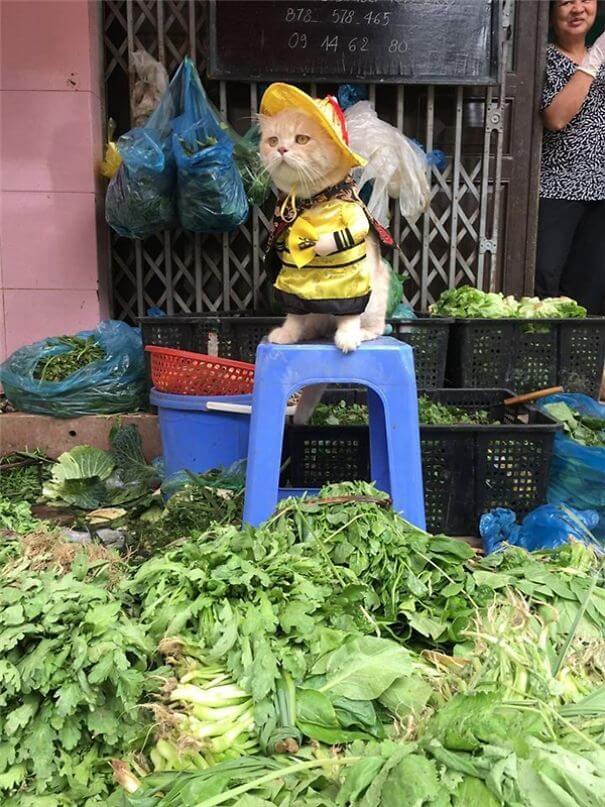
(298,154)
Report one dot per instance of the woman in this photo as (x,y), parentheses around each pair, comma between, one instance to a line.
(571,230)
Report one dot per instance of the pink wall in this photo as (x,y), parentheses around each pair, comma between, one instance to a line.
(52,236)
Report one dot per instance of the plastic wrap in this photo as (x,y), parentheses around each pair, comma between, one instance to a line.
(397,167)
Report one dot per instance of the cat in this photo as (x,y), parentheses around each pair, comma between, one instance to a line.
(300,157)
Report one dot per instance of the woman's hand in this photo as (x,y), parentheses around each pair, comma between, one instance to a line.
(592,62)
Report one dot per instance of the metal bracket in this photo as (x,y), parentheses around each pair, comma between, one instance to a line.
(488,245)
(495,118)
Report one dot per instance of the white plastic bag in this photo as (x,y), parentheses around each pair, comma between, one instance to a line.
(397,166)
(152,83)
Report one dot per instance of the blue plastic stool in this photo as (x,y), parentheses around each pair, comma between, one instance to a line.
(386,367)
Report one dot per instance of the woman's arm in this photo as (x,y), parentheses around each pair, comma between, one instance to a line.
(567,102)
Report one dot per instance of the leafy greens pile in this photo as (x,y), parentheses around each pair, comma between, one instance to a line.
(336,656)
(22,474)
(339,414)
(467,302)
(16,516)
(72,671)
(430,413)
(439,678)
(583,429)
(80,351)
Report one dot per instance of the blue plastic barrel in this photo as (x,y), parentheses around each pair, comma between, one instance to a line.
(198,440)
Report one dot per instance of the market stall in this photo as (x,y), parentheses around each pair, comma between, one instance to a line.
(162,648)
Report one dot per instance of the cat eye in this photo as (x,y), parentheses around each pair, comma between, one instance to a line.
(302,139)
(273,141)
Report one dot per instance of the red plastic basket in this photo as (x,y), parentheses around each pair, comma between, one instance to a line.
(183,373)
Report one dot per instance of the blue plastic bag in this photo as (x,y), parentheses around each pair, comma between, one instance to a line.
(168,170)
(349,94)
(210,195)
(546,527)
(577,473)
(140,199)
(116,383)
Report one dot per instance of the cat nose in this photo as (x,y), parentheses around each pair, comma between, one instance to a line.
(282,149)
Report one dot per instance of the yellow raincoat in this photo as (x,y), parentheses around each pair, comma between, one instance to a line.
(338,283)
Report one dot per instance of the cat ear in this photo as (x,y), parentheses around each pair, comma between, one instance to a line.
(259,118)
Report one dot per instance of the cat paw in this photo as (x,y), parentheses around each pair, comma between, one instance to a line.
(368,336)
(281,336)
(347,341)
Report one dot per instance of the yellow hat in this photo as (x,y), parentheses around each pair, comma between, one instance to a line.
(326,111)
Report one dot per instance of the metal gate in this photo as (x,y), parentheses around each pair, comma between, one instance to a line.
(454,242)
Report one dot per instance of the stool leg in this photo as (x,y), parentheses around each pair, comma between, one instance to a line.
(407,490)
(396,465)
(379,460)
(264,450)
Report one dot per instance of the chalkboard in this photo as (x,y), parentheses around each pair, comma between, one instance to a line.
(403,41)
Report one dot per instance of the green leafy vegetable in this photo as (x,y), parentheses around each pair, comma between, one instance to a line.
(583,429)
(22,474)
(436,414)
(429,412)
(467,302)
(79,352)
(87,478)
(16,517)
(72,674)
(340,414)
(193,509)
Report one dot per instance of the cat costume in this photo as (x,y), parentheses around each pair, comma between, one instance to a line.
(338,283)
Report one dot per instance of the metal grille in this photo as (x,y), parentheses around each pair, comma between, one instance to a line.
(454,242)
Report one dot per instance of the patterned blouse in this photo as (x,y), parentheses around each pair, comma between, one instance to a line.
(573,160)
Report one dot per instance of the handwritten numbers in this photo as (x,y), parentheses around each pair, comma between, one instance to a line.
(398,46)
(378,17)
(358,43)
(343,16)
(299,15)
(330,43)
(297,40)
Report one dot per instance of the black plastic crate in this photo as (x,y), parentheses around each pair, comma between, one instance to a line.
(527,355)
(237,335)
(228,335)
(429,336)
(467,469)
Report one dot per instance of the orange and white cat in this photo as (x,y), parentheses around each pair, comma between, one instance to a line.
(302,159)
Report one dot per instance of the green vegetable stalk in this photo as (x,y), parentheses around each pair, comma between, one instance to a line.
(286,738)
(204,717)
(514,654)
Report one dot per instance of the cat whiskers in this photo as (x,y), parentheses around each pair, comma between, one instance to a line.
(308,176)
